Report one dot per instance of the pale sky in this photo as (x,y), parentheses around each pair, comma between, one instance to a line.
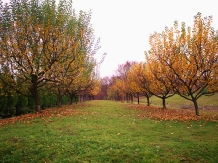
(124,26)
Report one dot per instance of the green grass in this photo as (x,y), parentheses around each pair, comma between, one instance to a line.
(107,131)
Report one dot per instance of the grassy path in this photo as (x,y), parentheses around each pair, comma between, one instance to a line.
(105,131)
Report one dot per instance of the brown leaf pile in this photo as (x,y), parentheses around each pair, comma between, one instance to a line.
(171,114)
(48,113)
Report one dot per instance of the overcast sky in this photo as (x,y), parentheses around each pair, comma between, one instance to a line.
(124,26)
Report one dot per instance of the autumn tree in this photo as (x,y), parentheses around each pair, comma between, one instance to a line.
(95,88)
(122,73)
(161,78)
(74,78)
(84,85)
(115,88)
(88,78)
(92,88)
(134,87)
(133,84)
(140,80)
(38,37)
(191,56)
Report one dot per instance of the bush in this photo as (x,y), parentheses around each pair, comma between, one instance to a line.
(48,100)
(7,104)
(31,104)
(22,101)
(24,110)
(44,101)
(65,100)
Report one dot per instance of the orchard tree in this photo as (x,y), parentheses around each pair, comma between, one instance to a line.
(38,37)
(133,84)
(116,88)
(141,80)
(95,87)
(110,81)
(191,55)
(73,78)
(134,88)
(122,73)
(161,77)
(120,88)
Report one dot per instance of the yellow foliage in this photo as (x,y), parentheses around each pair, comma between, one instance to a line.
(186,59)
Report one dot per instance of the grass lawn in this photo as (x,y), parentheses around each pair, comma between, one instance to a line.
(106,131)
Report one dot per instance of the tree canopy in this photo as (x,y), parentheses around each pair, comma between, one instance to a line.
(43,42)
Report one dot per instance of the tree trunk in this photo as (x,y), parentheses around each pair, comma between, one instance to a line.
(37,101)
(127,98)
(164,102)
(138,97)
(34,92)
(131,96)
(76,99)
(148,100)
(71,100)
(196,107)
(59,101)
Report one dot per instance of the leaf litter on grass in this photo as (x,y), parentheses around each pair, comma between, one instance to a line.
(171,114)
(67,110)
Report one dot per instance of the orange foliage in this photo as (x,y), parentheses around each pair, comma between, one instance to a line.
(188,58)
